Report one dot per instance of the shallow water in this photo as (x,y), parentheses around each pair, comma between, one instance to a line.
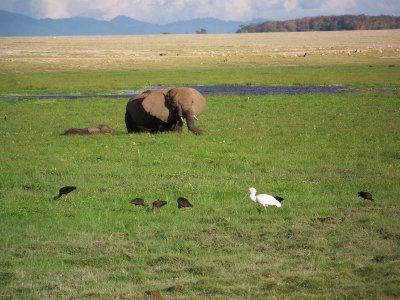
(207,90)
(267,90)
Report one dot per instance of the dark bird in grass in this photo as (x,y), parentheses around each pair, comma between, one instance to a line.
(366,195)
(65,190)
(159,203)
(138,201)
(153,294)
(183,202)
(280,199)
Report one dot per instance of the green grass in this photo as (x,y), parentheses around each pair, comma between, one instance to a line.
(317,151)
(75,82)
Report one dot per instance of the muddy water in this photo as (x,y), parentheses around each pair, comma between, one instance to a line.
(267,90)
(208,90)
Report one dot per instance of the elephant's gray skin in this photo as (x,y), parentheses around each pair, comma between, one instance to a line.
(164,110)
(102,128)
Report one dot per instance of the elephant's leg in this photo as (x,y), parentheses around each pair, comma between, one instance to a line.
(130,125)
(159,126)
(177,126)
(142,129)
(190,123)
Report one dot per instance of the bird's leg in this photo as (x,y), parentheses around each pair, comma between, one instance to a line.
(265,208)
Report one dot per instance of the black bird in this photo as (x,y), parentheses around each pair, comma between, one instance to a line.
(65,190)
(138,201)
(366,195)
(183,202)
(159,203)
(280,199)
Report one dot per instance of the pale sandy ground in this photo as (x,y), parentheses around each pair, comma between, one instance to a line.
(123,52)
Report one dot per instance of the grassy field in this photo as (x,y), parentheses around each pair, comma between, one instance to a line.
(130,63)
(317,151)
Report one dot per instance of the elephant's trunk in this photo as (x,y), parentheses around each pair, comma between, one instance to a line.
(190,123)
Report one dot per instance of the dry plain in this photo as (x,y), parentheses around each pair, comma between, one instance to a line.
(182,51)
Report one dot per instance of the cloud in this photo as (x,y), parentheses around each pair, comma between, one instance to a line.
(311,4)
(51,9)
(166,11)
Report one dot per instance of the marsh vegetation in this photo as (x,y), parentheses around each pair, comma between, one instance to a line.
(317,151)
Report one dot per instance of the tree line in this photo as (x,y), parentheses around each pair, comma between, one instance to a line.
(326,23)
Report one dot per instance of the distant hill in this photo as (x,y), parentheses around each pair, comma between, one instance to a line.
(326,23)
(12,24)
(211,25)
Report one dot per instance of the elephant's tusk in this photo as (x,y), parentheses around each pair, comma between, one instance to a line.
(182,119)
(194,116)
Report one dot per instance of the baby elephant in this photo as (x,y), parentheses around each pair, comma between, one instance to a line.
(102,128)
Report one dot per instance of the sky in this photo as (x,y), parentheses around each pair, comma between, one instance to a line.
(167,11)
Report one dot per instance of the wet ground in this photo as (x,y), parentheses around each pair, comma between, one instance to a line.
(208,90)
(267,90)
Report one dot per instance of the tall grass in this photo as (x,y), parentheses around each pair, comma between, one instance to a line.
(317,151)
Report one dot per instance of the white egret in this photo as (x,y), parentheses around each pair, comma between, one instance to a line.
(264,199)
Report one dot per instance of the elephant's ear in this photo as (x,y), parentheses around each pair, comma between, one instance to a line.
(154,104)
(199,102)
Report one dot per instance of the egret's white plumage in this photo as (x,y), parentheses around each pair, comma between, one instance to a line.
(263,199)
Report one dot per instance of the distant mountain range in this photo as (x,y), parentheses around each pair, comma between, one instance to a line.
(12,24)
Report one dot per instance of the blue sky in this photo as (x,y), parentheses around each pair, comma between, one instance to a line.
(166,11)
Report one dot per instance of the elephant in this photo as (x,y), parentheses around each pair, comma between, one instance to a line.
(102,128)
(165,109)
